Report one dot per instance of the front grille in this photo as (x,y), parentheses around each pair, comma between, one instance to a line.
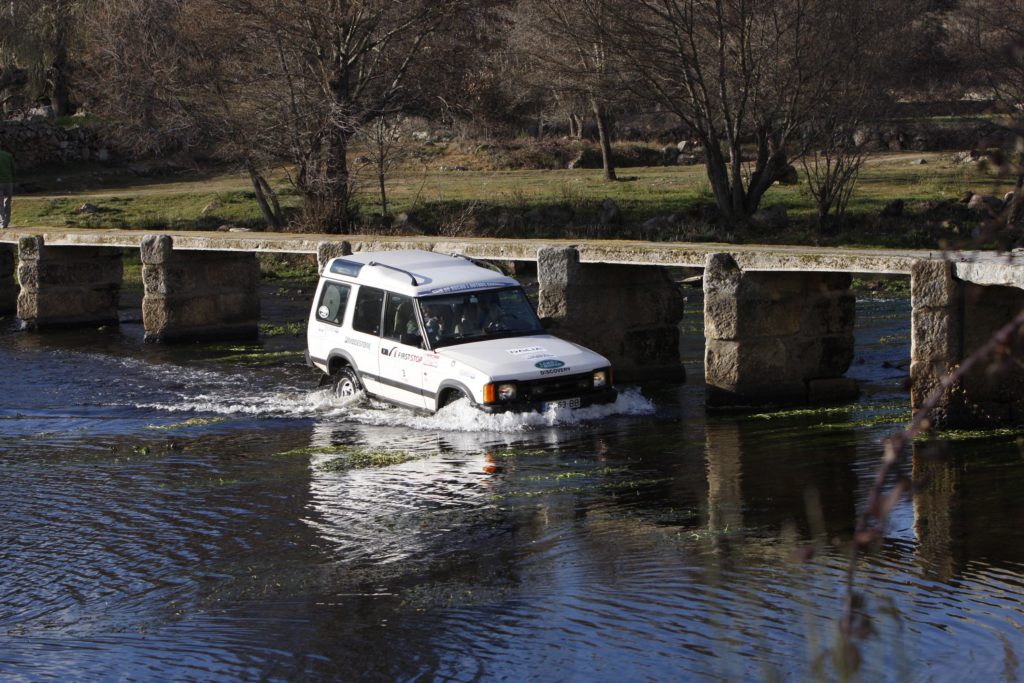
(556,388)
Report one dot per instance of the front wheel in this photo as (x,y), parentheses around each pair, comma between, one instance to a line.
(346,383)
(450,396)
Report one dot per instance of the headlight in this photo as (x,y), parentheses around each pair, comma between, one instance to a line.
(602,378)
(494,393)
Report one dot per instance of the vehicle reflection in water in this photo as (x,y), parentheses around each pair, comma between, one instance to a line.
(403,512)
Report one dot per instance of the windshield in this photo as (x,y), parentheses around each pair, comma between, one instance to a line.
(475,316)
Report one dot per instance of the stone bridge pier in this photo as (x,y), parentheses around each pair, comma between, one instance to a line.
(629,314)
(776,337)
(8,285)
(66,286)
(951,319)
(198,295)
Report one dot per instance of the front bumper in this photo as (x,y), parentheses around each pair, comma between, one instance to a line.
(519,406)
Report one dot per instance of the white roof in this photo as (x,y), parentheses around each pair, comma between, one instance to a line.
(434,273)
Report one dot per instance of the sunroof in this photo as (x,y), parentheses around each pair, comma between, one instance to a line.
(343,267)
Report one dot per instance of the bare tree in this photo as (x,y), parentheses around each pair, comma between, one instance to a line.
(836,141)
(37,39)
(746,75)
(133,61)
(382,138)
(989,37)
(335,66)
(264,83)
(568,43)
(832,168)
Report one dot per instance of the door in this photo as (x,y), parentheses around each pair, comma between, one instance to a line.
(401,354)
(363,342)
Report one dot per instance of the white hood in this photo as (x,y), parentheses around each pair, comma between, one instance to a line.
(525,358)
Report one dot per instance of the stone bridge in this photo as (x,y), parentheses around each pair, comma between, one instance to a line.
(778,321)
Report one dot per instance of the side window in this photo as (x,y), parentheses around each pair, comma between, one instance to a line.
(400,319)
(367,314)
(333,302)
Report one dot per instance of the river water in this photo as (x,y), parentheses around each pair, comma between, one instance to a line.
(192,513)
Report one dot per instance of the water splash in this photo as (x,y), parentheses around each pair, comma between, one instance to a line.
(459,416)
(202,390)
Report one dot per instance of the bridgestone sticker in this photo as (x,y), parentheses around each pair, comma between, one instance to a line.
(357,342)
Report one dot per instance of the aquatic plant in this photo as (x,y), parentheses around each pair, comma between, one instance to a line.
(292,329)
(191,422)
(259,357)
(352,457)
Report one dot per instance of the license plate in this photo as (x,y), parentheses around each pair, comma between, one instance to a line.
(565,403)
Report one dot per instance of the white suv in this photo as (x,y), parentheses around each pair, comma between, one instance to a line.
(422,330)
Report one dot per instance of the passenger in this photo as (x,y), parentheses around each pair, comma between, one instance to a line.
(433,321)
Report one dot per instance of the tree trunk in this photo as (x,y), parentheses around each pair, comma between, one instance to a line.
(771,158)
(604,138)
(327,204)
(383,193)
(718,176)
(575,126)
(265,197)
(59,67)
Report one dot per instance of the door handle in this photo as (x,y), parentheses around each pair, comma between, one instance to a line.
(385,352)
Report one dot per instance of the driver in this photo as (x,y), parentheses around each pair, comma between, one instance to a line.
(468,324)
(490,313)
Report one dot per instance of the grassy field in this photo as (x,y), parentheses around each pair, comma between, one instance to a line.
(473,201)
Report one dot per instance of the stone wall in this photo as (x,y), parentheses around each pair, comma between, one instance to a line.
(782,337)
(198,295)
(325,251)
(951,320)
(936,334)
(628,314)
(35,143)
(67,286)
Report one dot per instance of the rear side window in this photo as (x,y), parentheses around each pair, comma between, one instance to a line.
(333,302)
(366,318)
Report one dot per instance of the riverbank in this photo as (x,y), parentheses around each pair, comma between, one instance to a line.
(433,197)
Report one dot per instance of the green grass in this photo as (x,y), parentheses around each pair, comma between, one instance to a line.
(473,202)
(175,208)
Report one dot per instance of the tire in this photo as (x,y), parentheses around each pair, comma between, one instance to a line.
(346,383)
